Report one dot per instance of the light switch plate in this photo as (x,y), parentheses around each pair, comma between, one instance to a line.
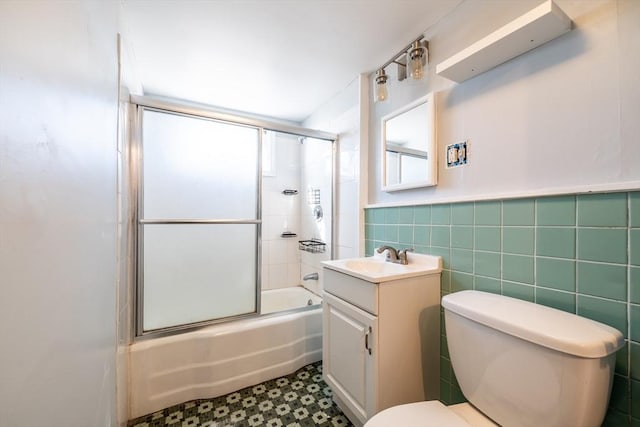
(457,154)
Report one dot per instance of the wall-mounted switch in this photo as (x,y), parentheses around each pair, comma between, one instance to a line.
(457,154)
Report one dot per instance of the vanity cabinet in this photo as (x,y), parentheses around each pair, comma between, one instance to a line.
(381,340)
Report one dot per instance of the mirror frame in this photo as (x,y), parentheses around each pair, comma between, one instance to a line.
(432,158)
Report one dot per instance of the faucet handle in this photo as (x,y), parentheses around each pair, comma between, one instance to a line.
(402,255)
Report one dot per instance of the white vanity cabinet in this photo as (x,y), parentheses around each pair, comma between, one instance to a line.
(381,337)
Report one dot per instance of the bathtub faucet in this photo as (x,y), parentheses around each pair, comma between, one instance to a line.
(311,276)
(394,255)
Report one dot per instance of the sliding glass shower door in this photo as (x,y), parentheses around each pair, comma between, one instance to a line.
(198,220)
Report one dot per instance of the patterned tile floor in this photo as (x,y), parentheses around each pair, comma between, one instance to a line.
(300,399)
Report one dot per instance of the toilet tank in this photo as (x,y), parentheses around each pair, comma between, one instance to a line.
(524,364)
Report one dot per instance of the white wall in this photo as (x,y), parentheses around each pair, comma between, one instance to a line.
(280,213)
(343,115)
(562,117)
(58,111)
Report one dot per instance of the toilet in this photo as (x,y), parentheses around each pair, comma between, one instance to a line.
(518,364)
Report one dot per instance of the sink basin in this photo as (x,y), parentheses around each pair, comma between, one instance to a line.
(376,269)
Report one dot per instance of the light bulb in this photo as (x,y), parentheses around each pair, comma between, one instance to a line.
(381,93)
(416,57)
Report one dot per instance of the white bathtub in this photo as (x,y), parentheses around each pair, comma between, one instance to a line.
(224,358)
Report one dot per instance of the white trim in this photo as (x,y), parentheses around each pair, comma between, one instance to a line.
(582,189)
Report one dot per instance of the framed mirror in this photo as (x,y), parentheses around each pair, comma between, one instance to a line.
(408,146)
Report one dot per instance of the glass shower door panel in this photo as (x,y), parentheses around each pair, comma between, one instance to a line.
(194,273)
(196,168)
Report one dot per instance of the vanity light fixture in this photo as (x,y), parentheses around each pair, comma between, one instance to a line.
(413,57)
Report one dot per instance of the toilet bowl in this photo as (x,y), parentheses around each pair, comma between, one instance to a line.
(518,364)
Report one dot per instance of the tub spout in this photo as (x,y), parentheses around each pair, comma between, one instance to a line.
(311,276)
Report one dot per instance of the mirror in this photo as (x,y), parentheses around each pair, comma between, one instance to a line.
(408,146)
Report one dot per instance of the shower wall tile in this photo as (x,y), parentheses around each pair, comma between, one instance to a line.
(576,253)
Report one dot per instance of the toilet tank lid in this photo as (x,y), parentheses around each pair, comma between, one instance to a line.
(536,323)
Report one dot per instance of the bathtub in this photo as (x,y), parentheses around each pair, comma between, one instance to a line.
(223,358)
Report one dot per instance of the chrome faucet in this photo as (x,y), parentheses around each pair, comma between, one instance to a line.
(395,256)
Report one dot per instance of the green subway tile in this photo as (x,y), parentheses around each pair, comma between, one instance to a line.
(444,346)
(620,394)
(518,212)
(634,321)
(612,313)
(602,280)
(602,244)
(378,216)
(391,215)
(462,214)
(378,232)
(516,290)
(405,215)
(462,237)
(440,236)
(556,210)
(368,216)
(614,418)
(445,369)
(444,253)
(445,281)
(622,363)
(602,210)
(634,366)
(420,249)
(634,284)
(422,215)
(368,247)
(635,399)
(462,260)
(487,238)
(556,242)
(391,233)
(556,273)
(456,395)
(488,213)
(421,235)
(634,247)
(517,268)
(517,240)
(441,214)
(405,234)
(445,392)
(561,300)
(487,284)
(634,209)
(487,264)
(461,281)
(368,231)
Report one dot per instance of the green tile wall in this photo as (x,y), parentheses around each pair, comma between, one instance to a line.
(577,253)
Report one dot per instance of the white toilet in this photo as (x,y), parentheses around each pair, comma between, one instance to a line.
(518,364)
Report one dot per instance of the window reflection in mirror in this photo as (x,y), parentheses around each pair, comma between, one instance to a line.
(408,144)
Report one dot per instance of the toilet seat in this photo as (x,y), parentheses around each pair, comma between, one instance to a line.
(421,414)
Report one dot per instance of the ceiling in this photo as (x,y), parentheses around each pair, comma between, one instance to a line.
(277,58)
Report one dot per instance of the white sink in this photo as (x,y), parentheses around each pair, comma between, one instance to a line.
(376,269)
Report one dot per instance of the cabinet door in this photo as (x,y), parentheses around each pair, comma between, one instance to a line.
(349,355)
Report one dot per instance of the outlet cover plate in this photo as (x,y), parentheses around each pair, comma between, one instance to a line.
(457,154)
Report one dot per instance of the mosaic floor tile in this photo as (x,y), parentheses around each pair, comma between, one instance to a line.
(301,399)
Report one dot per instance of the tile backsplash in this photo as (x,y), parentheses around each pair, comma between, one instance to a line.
(577,253)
